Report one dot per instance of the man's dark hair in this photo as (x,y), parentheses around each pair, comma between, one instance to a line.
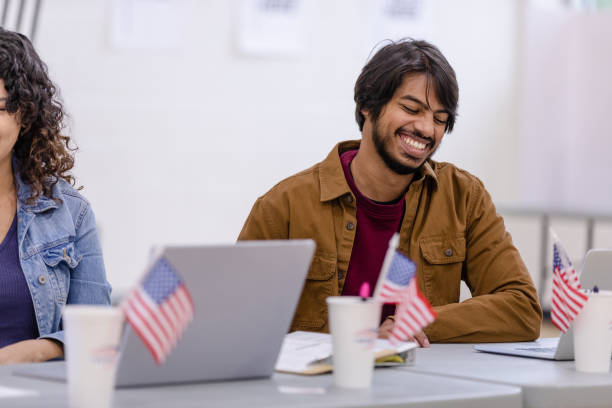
(384,73)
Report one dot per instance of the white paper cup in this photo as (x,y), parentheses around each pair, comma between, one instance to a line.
(92,336)
(592,335)
(353,324)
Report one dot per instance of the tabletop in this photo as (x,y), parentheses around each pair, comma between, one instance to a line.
(391,388)
(544,383)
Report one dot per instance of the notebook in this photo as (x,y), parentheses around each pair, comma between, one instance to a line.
(596,270)
(309,353)
(244,295)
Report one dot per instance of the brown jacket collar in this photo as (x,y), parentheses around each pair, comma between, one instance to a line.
(331,175)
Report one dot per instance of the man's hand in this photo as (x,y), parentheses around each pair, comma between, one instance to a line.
(31,351)
(385,330)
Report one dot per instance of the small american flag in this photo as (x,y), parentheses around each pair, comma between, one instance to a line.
(159,309)
(413,311)
(567,299)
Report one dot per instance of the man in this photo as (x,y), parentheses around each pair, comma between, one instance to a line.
(353,201)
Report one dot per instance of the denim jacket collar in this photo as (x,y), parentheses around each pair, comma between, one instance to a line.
(41,204)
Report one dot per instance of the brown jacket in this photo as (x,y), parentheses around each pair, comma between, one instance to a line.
(450,229)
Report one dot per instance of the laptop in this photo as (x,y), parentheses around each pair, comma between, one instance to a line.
(596,270)
(244,295)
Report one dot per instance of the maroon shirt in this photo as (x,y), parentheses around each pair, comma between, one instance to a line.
(376,223)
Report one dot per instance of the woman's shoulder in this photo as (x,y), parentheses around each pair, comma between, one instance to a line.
(66,195)
(61,191)
(66,191)
(57,216)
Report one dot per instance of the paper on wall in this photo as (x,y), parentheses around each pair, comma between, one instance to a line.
(147,24)
(270,27)
(397,19)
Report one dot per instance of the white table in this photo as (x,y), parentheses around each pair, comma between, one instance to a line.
(544,383)
(392,388)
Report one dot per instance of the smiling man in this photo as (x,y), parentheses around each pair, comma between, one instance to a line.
(364,191)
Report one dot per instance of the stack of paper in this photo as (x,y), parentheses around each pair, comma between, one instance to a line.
(311,353)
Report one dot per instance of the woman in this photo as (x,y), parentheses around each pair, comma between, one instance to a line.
(49,249)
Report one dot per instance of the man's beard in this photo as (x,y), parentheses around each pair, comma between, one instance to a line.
(392,164)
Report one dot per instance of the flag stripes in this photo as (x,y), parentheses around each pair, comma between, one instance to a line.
(413,315)
(400,286)
(159,310)
(567,298)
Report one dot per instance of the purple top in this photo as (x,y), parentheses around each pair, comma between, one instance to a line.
(17,319)
(376,223)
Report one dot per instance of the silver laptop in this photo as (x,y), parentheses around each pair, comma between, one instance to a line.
(596,270)
(244,295)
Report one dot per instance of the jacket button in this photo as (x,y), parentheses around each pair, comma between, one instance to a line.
(448,252)
(42,279)
(350,226)
(349,199)
(340,274)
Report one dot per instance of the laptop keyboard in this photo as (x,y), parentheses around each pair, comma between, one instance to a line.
(538,349)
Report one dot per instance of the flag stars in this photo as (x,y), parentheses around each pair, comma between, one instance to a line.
(161,282)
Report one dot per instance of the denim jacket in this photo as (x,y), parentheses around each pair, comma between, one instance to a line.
(60,254)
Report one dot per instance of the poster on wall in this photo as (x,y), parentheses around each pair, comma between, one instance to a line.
(397,19)
(270,28)
(147,24)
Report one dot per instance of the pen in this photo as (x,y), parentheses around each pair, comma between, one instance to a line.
(364,291)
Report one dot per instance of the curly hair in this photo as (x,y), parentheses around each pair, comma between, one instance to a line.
(42,154)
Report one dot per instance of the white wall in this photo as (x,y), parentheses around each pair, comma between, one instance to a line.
(566,104)
(176,145)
